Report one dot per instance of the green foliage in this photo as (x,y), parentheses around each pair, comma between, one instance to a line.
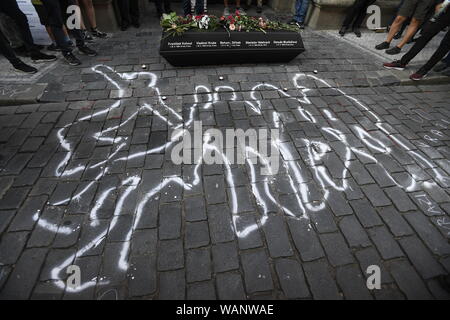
(177,25)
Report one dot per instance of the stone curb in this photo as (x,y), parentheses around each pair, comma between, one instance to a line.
(21,94)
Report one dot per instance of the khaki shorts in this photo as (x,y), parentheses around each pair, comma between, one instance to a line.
(416,9)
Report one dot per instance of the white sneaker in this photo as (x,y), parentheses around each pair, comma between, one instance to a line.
(226,11)
(241,11)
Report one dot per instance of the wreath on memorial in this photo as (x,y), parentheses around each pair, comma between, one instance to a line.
(174,25)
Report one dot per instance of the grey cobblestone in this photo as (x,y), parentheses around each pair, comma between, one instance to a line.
(90,180)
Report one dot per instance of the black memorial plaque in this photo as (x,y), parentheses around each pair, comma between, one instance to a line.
(195,48)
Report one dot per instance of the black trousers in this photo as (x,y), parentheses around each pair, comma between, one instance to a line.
(199,7)
(163,9)
(129,10)
(52,14)
(7,51)
(12,10)
(357,13)
(430,31)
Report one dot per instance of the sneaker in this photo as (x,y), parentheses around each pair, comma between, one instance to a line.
(226,11)
(383,45)
(98,34)
(53,47)
(87,51)
(87,37)
(22,67)
(393,51)
(42,57)
(343,31)
(357,32)
(293,22)
(301,25)
(241,11)
(395,65)
(71,59)
(417,76)
(441,67)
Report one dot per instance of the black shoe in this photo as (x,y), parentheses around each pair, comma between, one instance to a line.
(53,47)
(394,50)
(87,51)
(71,59)
(301,25)
(357,32)
(124,27)
(98,34)
(86,36)
(42,57)
(22,67)
(137,25)
(383,45)
(343,31)
(259,9)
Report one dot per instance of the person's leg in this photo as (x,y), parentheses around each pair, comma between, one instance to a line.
(442,50)
(199,7)
(134,13)
(395,27)
(447,60)
(124,7)
(362,14)
(90,12)
(410,32)
(187,10)
(353,13)
(167,6)
(303,11)
(159,7)
(11,9)
(226,11)
(429,33)
(7,51)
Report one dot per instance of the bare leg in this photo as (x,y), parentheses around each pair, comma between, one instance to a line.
(50,33)
(395,27)
(90,12)
(412,29)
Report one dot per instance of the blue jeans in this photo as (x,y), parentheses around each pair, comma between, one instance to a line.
(301,9)
(199,7)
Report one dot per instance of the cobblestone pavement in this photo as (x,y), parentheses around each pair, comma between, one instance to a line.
(87,180)
(370,39)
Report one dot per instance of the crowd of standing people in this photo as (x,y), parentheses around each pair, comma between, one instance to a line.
(429,17)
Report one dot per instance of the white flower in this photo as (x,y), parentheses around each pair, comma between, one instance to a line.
(204,22)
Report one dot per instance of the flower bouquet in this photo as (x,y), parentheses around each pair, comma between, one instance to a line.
(208,39)
(177,25)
